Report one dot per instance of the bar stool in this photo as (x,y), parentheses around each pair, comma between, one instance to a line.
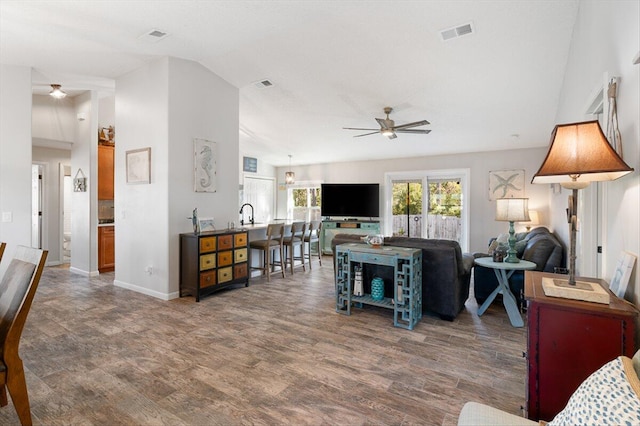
(313,238)
(273,242)
(298,230)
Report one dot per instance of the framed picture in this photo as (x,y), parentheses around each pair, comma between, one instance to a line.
(205,158)
(622,274)
(139,166)
(506,184)
(80,182)
(205,224)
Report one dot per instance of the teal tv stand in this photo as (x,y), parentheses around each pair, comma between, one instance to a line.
(332,227)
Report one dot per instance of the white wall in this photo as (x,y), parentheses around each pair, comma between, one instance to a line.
(52,158)
(106,111)
(53,120)
(204,106)
(84,205)
(164,105)
(141,210)
(606,39)
(482,211)
(15,157)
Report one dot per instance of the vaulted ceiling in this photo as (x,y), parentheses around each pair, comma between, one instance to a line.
(332,64)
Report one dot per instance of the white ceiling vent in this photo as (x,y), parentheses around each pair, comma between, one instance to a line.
(154,36)
(262,84)
(455,32)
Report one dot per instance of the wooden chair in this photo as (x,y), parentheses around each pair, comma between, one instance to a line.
(17,289)
(311,238)
(298,231)
(273,242)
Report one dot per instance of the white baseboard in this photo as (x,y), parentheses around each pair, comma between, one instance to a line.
(85,273)
(144,290)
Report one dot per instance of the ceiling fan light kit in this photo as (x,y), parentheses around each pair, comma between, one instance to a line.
(389,129)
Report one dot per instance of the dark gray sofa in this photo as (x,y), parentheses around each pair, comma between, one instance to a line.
(538,246)
(446,272)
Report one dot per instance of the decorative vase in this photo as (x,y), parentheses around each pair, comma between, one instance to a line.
(377,288)
(375,241)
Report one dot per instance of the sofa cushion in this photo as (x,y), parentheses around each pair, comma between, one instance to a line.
(544,250)
(610,396)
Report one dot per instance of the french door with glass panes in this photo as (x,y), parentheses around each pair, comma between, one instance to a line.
(428,204)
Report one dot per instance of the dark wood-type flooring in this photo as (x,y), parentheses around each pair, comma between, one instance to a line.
(272,353)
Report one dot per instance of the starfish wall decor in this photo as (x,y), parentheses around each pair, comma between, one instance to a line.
(506,184)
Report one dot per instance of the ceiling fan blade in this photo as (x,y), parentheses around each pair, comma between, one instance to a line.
(414,124)
(392,136)
(359,128)
(382,122)
(367,134)
(414,131)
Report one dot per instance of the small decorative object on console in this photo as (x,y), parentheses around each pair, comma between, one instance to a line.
(499,253)
(377,289)
(374,241)
(357,281)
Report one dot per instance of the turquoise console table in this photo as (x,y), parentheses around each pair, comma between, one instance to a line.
(407,280)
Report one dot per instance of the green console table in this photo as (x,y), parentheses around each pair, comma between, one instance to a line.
(406,264)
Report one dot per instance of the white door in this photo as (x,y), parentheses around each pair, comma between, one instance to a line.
(260,193)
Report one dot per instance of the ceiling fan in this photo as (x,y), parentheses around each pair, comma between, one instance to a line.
(389,129)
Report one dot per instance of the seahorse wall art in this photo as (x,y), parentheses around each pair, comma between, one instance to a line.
(204,165)
(205,162)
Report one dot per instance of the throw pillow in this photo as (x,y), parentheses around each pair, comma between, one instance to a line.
(520,246)
(610,396)
(502,239)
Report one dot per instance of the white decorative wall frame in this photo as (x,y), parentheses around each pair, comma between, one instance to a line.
(206,224)
(205,169)
(506,184)
(621,275)
(139,166)
(80,182)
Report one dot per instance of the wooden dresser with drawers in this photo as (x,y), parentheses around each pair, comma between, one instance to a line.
(211,261)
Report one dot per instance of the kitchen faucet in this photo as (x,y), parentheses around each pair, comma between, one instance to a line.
(250,217)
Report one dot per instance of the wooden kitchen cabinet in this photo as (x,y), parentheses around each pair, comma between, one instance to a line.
(567,340)
(106,248)
(105,172)
(211,261)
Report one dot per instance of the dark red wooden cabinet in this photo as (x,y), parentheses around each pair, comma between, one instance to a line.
(568,340)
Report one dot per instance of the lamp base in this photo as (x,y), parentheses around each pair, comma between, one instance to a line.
(583,290)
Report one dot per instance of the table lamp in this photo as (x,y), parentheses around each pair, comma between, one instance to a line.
(579,153)
(533,220)
(512,210)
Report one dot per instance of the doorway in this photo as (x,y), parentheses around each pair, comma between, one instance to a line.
(66,184)
(37,231)
(259,192)
(438,193)
(407,208)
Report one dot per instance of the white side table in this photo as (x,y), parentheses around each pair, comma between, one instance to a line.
(503,271)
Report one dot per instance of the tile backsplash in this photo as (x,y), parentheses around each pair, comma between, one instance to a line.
(105,210)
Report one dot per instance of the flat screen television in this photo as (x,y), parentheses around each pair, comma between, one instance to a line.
(352,200)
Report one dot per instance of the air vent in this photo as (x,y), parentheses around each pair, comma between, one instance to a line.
(455,32)
(153,36)
(158,34)
(263,84)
